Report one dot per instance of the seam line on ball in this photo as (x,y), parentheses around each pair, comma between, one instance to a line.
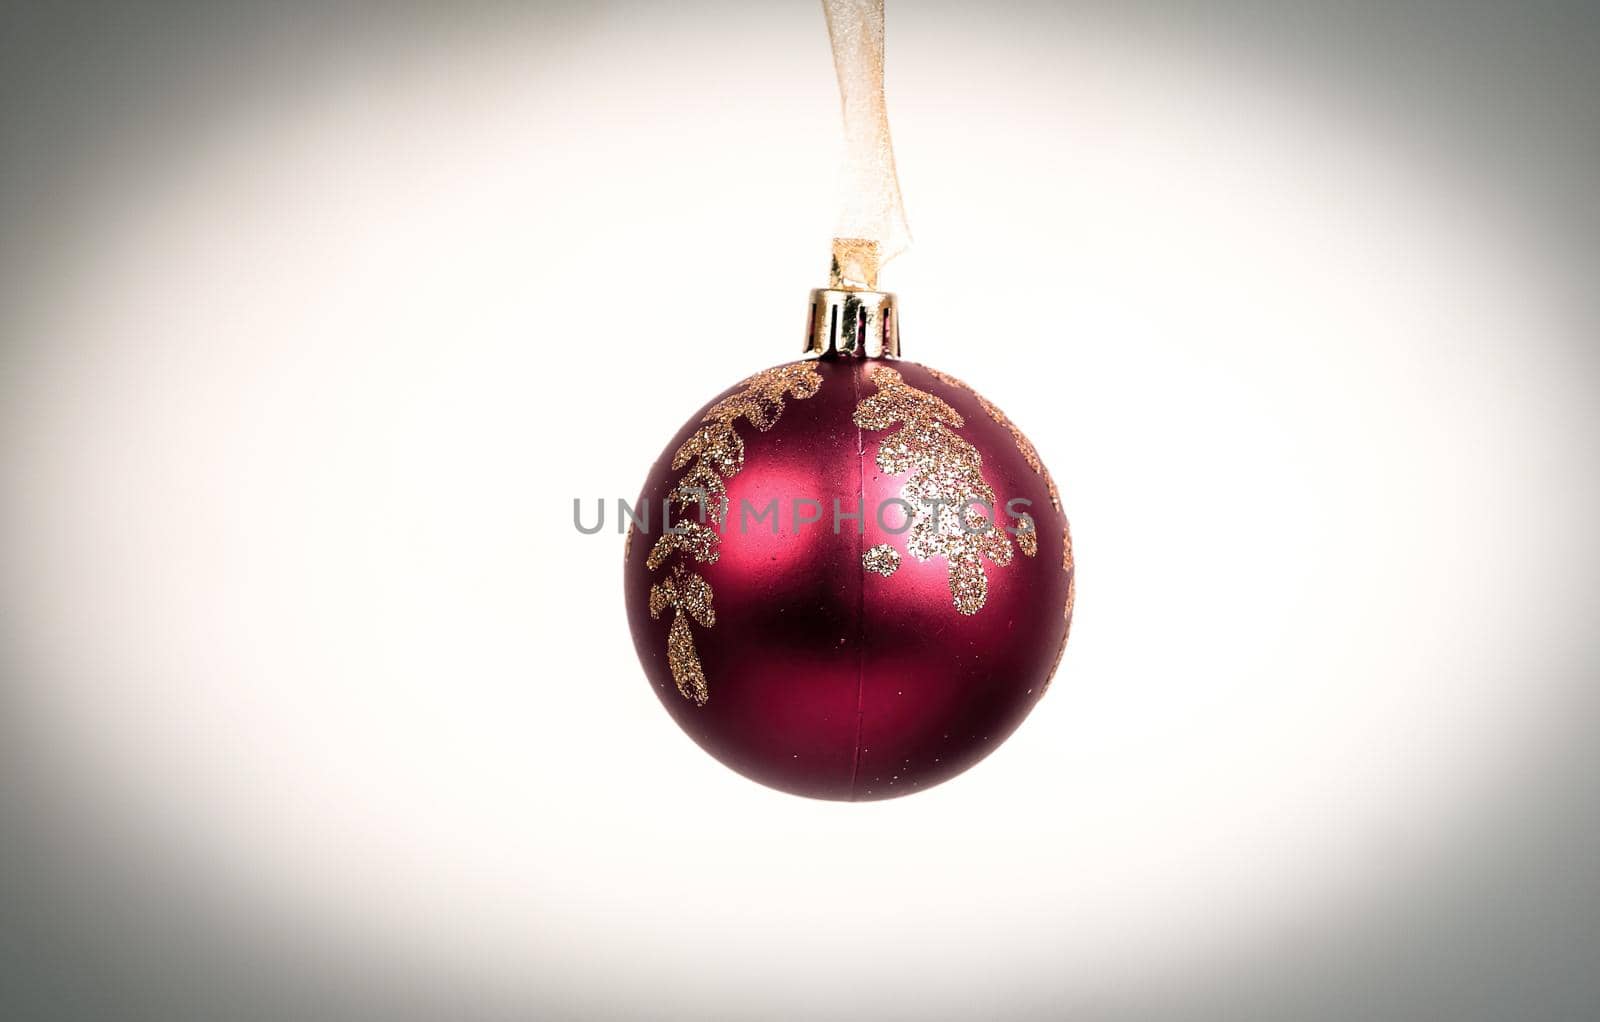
(861,586)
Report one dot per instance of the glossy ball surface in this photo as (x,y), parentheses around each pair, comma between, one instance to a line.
(840,664)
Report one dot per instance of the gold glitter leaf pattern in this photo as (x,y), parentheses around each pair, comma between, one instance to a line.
(685,662)
(713,453)
(1030,454)
(1072,598)
(702,485)
(882,559)
(699,541)
(716,445)
(1028,541)
(684,590)
(1027,535)
(944,477)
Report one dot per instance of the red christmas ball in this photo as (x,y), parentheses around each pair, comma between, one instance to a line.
(867,582)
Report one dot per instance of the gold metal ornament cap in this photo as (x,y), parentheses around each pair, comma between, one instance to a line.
(850,318)
(853,324)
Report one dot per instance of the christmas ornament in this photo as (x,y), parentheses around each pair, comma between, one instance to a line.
(851,577)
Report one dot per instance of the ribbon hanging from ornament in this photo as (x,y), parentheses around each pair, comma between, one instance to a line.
(871,228)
